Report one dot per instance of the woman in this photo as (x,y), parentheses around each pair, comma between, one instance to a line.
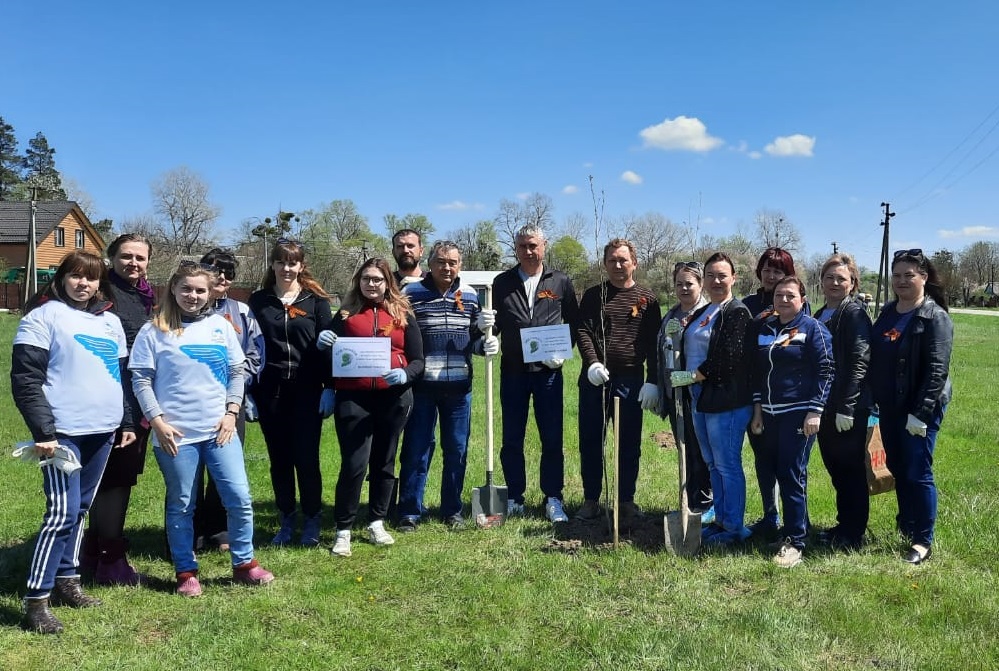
(793,374)
(104,545)
(294,390)
(69,351)
(714,361)
(843,429)
(910,358)
(688,279)
(187,373)
(371,413)
(773,265)
(210,515)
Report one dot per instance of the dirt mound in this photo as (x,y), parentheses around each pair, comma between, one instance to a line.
(646,534)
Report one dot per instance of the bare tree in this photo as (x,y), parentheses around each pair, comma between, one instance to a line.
(774,229)
(187,217)
(537,210)
(656,238)
(479,248)
(978,261)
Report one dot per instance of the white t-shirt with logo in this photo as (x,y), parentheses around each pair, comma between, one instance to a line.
(83,380)
(190,373)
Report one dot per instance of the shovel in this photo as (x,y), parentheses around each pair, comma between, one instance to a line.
(489,502)
(682,527)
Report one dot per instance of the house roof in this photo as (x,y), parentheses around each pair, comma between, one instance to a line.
(15,219)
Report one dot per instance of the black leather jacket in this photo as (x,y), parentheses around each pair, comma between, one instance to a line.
(851,340)
(728,367)
(922,382)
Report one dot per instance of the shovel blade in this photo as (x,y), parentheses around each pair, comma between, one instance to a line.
(489,505)
(683,533)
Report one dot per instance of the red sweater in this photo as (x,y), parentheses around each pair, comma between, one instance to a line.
(406,344)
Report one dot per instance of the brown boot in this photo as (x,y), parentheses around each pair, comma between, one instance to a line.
(69,592)
(38,618)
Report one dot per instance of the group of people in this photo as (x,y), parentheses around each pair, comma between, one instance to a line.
(190,369)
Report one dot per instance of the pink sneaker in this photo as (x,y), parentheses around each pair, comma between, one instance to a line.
(251,573)
(188,585)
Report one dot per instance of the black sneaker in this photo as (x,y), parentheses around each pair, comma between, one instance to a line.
(407,525)
(765,528)
(456,522)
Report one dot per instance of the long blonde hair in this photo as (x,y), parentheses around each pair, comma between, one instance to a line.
(395,303)
(167,317)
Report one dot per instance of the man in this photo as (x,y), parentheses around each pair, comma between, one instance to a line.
(616,336)
(529,295)
(407,249)
(448,314)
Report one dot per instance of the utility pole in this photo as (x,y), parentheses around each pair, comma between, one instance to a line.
(884,271)
(835,247)
(31,267)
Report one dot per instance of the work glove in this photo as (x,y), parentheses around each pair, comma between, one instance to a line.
(485,320)
(326,403)
(396,376)
(843,422)
(326,339)
(681,378)
(490,346)
(598,374)
(63,458)
(250,409)
(554,364)
(916,427)
(648,396)
(673,327)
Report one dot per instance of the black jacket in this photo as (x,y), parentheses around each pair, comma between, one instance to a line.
(554,303)
(851,342)
(729,364)
(289,334)
(922,381)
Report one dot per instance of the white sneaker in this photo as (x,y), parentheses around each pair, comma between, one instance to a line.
(378,535)
(514,508)
(788,556)
(341,546)
(554,510)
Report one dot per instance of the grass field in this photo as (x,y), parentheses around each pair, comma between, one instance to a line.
(502,599)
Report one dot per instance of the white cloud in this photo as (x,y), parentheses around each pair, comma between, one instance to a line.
(459,205)
(754,155)
(742,147)
(680,134)
(588,164)
(631,177)
(523,195)
(970,232)
(791,145)
(570,189)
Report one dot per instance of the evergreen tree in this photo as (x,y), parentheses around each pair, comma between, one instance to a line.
(10,160)
(40,170)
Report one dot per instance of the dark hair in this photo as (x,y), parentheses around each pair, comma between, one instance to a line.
(407,231)
(792,279)
(294,252)
(851,269)
(776,257)
(621,242)
(720,257)
(224,260)
(87,264)
(692,267)
(128,237)
(395,303)
(934,288)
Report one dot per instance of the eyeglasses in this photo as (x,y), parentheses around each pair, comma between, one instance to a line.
(228,273)
(374,281)
(915,253)
(693,265)
(194,265)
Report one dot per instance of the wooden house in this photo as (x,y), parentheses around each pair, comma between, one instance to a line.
(60,227)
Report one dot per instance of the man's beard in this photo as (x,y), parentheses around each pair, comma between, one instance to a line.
(407,263)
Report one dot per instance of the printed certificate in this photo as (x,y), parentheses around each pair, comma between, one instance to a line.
(361,357)
(546,342)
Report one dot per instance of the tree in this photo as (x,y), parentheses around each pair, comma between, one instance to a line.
(10,160)
(948,273)
(536,210)
(568,255)
(480,250)
(774,229)
(186,216)
(76,193)
(656,238)
(978,261)
(40,171)
(338,221)
(416,222)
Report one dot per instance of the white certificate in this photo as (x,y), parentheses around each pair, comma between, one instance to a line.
(361,357)
(546,342)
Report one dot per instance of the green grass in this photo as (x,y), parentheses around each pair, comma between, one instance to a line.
(499,599)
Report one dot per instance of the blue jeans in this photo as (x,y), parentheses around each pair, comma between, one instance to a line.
(720,435)
(454,412)
(786,449)
(596,406)
(225,464)
(516,390)
(910,460)
(67,500)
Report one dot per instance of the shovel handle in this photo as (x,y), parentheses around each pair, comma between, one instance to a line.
(489,394)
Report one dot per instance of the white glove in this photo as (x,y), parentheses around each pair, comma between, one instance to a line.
(485,320)
(598,374)
(63,458)
(326,339)
(915,427)
(843,422)
(681,378)
(395,376)
(648,396)
(554,364)
(250,409)
(490,346)
(673,327)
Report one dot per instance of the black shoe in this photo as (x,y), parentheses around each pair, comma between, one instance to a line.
(69,592)
(38,618)
(456,522)
(765,528)
(917,556)
(407,525)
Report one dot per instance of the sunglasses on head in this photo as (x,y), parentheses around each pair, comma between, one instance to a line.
(194,265)
(289,241)
(693,265)
(915,253)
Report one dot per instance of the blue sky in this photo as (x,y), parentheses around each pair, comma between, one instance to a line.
(702,111)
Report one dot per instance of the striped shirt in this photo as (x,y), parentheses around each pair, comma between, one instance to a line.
(625,322)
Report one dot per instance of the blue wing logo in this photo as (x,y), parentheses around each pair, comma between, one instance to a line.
(213,356)
(104,349)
